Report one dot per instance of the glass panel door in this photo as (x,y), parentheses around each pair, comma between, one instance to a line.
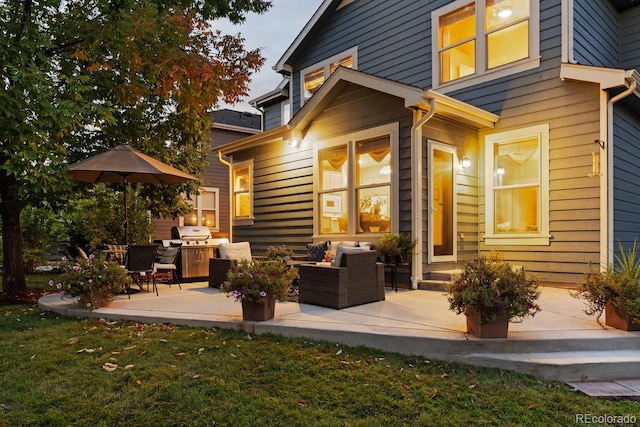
(442,203)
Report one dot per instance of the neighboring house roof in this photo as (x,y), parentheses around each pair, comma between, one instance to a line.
(414,98)
(280,93)
(240,121)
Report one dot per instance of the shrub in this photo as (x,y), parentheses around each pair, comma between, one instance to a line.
(91,283)
(253,281)
(490,286)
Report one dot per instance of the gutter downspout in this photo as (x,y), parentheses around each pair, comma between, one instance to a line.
(608,178)
(417,189)
(231,199)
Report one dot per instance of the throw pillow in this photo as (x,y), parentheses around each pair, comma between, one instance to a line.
(337,262)
(240,251)
(316,251)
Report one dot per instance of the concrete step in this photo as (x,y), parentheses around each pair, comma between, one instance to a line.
(626,389)
(575,366)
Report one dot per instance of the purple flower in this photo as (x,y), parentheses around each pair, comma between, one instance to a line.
(263,294)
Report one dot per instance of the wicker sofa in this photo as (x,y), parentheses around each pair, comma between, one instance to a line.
(358,280)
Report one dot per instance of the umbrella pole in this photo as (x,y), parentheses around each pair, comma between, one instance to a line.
(126,215)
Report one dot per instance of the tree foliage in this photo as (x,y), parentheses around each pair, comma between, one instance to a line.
(78,77)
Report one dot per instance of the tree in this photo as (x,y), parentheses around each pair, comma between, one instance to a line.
(81,76)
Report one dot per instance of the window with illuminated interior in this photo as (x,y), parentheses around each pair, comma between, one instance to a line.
(517,185)
(477,37)
(315,75)
(242,190)
(355,177)
(204,211)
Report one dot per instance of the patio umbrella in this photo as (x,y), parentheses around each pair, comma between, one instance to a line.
(123,164)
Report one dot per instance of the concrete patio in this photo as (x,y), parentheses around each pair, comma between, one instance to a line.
(560,343)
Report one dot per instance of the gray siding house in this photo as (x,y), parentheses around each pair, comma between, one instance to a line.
(212,206)
(473,125)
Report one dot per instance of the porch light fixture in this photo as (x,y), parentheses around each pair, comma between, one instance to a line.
(500,171)
(296,138)
(466,162)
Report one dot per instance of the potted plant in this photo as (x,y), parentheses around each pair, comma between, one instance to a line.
(491,293)
(91,283)
(406,246)
(614,291)
(279,253)
(388,247)
(258,285)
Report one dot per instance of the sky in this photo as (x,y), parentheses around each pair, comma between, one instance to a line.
(272,32)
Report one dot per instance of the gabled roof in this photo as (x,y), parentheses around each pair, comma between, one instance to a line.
(414,98)
(280,93)
(323,10)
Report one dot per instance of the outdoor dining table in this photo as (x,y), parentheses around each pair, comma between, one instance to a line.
(117,255)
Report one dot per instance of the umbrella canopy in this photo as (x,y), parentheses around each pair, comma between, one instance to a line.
(123,164)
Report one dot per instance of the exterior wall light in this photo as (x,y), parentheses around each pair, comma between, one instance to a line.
(294,142)
(466,162)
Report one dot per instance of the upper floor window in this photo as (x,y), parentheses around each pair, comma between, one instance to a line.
(314,76)
(243,190)
(204,211)
(480,40)
(517,208)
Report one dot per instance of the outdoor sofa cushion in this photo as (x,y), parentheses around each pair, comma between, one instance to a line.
(240,251)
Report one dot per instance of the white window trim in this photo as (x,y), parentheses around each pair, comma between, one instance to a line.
(242,220)
(325,65)
(216,201)
(482,75)
(543,237)
(391,129)
(283,111)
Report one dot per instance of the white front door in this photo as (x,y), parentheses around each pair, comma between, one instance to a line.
(442,202)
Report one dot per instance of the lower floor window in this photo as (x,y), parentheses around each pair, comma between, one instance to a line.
(355,184)
(517,186)
(204,211)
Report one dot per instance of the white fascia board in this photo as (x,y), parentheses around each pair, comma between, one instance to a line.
(281,133)
(282,66)
(607,78)
(461,111)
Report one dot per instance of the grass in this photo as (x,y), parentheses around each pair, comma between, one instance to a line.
(55,371)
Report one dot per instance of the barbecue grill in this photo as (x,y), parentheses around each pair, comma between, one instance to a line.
(197,247)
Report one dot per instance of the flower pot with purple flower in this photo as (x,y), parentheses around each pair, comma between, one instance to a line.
(492,293)
(90,283)
(258,285)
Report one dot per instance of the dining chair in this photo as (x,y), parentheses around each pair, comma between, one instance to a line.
(140,260)
(167,264)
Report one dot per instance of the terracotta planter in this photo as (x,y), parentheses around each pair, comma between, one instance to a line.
(495,329)
(618,319)
(259,311)
(86,302)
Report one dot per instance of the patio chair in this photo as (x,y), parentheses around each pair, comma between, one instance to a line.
(167,264)
(140,260)
(226,255)
(359,279)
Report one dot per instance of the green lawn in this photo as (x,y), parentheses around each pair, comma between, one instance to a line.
(60,371)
